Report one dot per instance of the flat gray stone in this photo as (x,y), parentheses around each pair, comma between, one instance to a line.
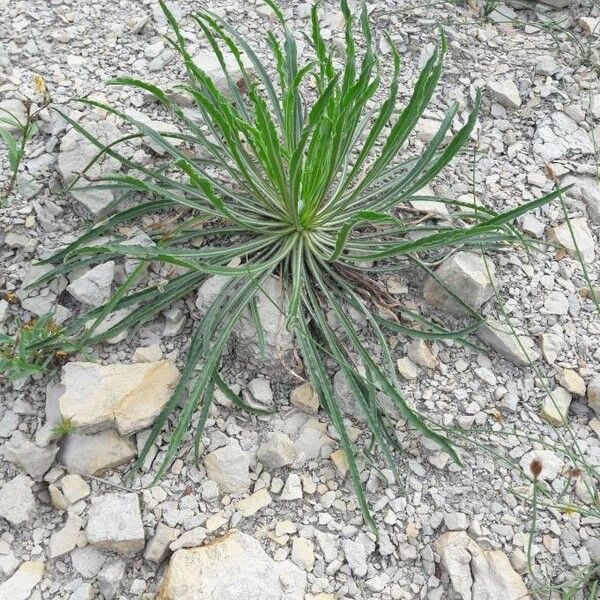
(127,397)
(17,503)
(115,523)
(519,349)
(93,454)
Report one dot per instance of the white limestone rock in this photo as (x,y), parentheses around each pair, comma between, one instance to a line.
(229,467)
(208,62)
(559,136)
(64,540)
(22,582)
(197,573)
(30,457)
(561,235)
(277,451)
(500,337)
(94,287)
(128,397)
(93,454)
(505,92)
(17,502)
(115,523)
(278,341)
(593,394)
(477,573)
(76,152)
(465,274)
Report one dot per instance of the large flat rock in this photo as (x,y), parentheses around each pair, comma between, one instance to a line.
(127,397)
(232,567)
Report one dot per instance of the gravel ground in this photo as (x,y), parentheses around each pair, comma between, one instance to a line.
(541,101)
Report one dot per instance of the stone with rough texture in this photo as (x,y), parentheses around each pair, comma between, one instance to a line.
(583,239)
(13,114)
(555,408)
(465,274)
(292,490)
(305,398)
(303,553)
(477,574)
(559,136)
(572,381)
(407,368)
(17,503)
(23,581)
(64,540)
(128,397)
(87,561)
(75,154)
(586,189)
(93,454)
(278,341)
(93,287)
(207,61)
(593,394)
(420,353)
(255,502)
(209,290)
(277,451)
(506,93)
(229,467)
(157,549)
(357,552)
(197,573)
(500,337)
(74,488)
(30,457)
(115,523)
(110,576)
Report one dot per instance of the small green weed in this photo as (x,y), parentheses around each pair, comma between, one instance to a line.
(18,358)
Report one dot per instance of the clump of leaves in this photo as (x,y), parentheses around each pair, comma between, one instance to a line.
(19,357)
(305,184)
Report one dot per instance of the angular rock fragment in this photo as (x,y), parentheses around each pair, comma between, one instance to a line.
(506,93)
(465,274)
(197,573)
(593,394)
(582,235)
(477,573)
(115,523)
(278,340)
(30,457)
(128,397)
(64,540)
(277,451)
(207,61)
(76,152)
(157,549)
(17,503)
(22,582)
(229,467)
(93,454)
(93,287)
(519,349)
(305,398)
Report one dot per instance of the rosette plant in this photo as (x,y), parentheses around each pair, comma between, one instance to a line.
(294,171)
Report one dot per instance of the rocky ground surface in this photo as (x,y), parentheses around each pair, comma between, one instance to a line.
(269,512)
